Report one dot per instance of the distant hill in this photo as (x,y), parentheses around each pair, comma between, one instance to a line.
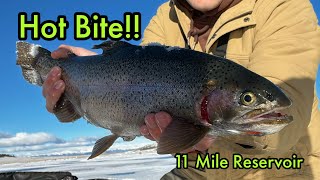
(6,155)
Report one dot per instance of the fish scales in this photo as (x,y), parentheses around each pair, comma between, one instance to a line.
(147,84)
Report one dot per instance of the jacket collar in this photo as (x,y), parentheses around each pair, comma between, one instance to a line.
(234,18)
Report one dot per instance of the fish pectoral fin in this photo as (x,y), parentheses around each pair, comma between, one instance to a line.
(65,111)
(102,145)
(108,46)
(179,135)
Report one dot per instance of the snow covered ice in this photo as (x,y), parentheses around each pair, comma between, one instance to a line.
(136,164)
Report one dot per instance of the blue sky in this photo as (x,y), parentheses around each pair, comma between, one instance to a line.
(22,106)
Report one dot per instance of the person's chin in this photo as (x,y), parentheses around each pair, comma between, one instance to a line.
(204,5)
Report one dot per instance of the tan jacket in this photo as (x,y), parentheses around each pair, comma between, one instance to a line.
(280,40)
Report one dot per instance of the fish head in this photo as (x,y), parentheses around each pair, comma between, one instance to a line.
(246,105)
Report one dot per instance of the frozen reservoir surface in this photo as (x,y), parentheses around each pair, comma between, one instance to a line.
(135,164)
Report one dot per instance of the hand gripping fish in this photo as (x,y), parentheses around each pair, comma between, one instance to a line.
(204,94)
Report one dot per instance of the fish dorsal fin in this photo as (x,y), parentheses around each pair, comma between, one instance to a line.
(109,46)
(102,145)
(180,135)
(65,111)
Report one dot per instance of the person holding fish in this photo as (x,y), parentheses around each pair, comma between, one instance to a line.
(278,39)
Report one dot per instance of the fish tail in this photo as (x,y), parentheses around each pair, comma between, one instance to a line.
(27,57)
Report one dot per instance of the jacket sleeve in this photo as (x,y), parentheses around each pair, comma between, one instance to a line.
(286,51)
(154,32)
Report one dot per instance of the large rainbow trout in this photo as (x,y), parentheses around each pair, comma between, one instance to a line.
(204,94)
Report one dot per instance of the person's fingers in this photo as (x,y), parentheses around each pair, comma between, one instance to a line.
(54,94)
(145,132)
(156,123)
(152,126)
(163,119)
(64,50)
(53,76)
(60,53)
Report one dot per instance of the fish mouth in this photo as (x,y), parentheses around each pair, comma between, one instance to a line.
(275,116)
(259,122)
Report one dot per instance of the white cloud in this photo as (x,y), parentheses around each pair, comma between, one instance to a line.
(26,139)
(4,135)
(44,144)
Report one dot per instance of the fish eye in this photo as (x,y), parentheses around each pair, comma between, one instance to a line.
(248,98)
